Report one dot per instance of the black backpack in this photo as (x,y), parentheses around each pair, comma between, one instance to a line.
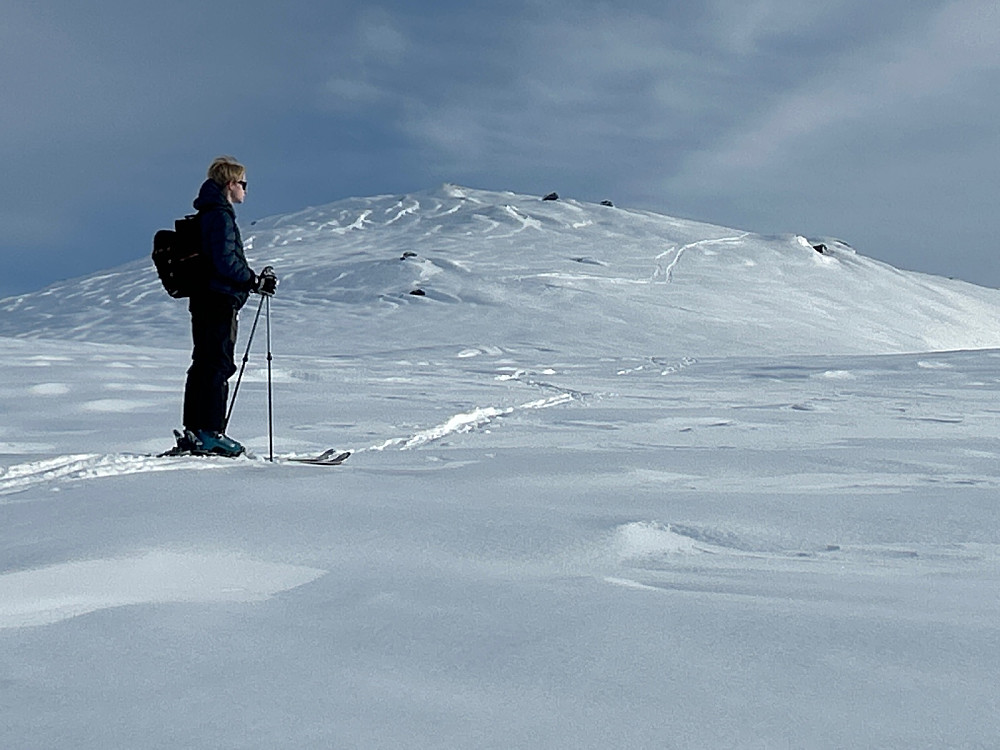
(177,255)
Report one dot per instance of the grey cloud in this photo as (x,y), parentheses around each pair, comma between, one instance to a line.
(759,114)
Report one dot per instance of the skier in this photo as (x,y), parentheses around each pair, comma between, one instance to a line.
(214,310)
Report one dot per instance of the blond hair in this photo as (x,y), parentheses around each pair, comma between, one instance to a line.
(226,169)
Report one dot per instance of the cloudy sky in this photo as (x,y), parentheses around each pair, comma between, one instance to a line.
(876,122)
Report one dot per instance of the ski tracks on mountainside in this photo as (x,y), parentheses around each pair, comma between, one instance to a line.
(666,273)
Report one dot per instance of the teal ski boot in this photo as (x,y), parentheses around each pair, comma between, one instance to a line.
(213,443)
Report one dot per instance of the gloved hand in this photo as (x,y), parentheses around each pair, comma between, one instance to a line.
(266,282)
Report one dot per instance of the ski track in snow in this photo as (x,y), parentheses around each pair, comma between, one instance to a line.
(20,477)
(478,418)
(667,274)
(17,478)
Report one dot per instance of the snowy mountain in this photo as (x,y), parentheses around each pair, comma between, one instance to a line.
(618,480)
(476,268)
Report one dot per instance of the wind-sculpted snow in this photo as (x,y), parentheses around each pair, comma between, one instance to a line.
(59,592)
(459,265)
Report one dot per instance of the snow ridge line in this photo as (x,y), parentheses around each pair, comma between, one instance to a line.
(403,211)
(526,222)
(359,223)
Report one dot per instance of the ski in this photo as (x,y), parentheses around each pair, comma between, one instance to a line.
(332,457)
(329,457)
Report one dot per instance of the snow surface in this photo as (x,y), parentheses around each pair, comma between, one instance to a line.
(621,480)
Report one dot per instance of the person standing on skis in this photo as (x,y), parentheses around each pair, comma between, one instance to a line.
(214,310)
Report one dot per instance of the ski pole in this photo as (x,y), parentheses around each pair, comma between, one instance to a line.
(246,357)
(270,409)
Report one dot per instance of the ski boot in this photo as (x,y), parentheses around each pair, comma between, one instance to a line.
(205,443)
(214,443)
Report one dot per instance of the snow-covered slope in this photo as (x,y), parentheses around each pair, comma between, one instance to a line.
(502,270)
(566,523)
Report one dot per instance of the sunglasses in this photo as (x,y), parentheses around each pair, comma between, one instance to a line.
(242,184)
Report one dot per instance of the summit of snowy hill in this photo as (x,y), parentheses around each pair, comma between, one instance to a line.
(474,268)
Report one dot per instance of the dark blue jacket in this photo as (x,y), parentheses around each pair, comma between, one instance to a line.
(222,244)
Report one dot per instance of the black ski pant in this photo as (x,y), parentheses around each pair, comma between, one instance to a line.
(213,328)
